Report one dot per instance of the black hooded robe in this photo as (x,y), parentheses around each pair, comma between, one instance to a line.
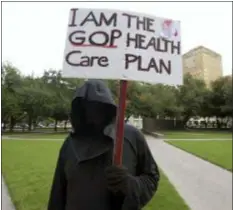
(79,181)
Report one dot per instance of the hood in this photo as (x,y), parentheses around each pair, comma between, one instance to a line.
(92,91)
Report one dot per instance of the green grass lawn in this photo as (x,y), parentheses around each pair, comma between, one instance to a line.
(196,135)
(217,152)
(28,168)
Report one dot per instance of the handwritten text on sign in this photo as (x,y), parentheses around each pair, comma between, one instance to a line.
(110,44)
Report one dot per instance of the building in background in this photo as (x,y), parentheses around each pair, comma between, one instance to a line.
(203,63)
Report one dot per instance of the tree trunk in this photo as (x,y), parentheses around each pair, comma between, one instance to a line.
(29,122)
(4,126)
(228,120)
(12,124)
(185,120)
(55,126)
(205,123)
(34,124)
(174,122)
(65,126)
(218,124)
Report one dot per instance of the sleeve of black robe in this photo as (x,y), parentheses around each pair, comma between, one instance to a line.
(57,198)
(142,187)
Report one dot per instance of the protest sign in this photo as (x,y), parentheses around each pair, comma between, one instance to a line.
(109,44)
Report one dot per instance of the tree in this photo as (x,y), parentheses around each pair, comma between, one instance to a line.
(133,99)
(191,97)
(206,106)
(62,90)
(227,108)
(114,87)
(11,84)
(169,101)
(156,101)
(33,100)
(59,104)
(220,99)
(148,102)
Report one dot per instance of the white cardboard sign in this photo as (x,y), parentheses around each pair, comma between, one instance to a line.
(110,44)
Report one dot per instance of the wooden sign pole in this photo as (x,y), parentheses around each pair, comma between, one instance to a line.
(118,150)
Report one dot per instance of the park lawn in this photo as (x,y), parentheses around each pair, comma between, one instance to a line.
(196,135)
(28,168)
(216,152)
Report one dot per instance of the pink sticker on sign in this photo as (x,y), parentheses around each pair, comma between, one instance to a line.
(168,30)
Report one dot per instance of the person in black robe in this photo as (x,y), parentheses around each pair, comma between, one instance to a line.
(85,178)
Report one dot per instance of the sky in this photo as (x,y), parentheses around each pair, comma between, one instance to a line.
(34,33)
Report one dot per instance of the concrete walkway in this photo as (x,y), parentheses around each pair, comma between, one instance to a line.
(202,185)
(6,200)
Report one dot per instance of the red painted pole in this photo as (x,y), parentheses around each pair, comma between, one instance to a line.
(118,149)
